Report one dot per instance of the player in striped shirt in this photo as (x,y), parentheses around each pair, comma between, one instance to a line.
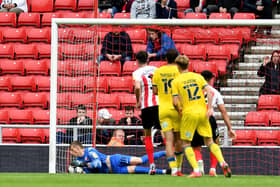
(148,100)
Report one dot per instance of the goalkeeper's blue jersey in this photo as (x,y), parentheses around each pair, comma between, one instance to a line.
(92,155)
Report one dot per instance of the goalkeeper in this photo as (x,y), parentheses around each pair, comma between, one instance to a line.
(92,161)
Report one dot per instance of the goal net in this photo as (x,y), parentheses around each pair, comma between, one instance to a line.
(92,87)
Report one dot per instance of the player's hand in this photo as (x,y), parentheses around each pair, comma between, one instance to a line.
(266,60)
(210,112)
(260,8)
(231,134)
(77,163)
(180,111)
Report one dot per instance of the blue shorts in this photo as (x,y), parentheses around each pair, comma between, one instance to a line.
(119,163)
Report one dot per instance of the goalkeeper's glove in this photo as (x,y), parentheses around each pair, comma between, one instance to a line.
(77,163)
(95,164)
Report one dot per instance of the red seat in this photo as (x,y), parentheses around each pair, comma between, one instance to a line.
(70,84)
(90,84)
(268,137)
(74,15)
(63,68)
(138,47)
(254,118)
(274,119)
(127,99)
(44,50)
(158,63)
(42,83)
(121,15)
(35,100)
(183,35)
(83,67)
(5,84)
(46,135)
(6,51)
(31,136)
(246,33)
(194,15)
(220,16)
(41,6)
(108,101)
(20,116)
(201,66)
(47,18)
(26,51)
(269,102)
(129,67)
(221,65)
(89,51)
(23,83)
(110,68)
(63,116)
(39,35)
(120,84)
(11,67)
(41,116)
(65,5)
(65,35)
(4,117)
(36,67)
(63,100)
(230,36)
(8,19)
(86,5)
(137,35)
(233,49)
(10,135)
(116,114)
(29,19)
(73,51)
(218,52)
(14,35)
(10,99)
(183,4)
(84,99)
(104,15)
(84,35)
(206,36)
(239,15)
(245,137)
(194,51)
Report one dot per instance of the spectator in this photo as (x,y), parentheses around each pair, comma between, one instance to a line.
(83,135)
(143,9)
(224,6)
(105,6)
(158,44)
(16,6)
(210,6)
(117,139)
(196,6)
(104,118)
(166,9)
(117,6)
(271,71)
(127,6)
(129,117)
(116,46)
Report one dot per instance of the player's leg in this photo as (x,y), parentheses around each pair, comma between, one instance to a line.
(178,152)
(144,159)
(196,143)
(141,170)
(213,159)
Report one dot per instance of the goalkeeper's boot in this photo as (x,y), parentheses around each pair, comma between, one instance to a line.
(195,174)
(201,166)
(212,172)
(152,170)
(226,169)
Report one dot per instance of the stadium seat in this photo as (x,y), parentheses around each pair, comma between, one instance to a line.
(245,137)
(39,67)
(39,35)
(23,83)
(84,99)
(193,51)
(84,35)
(268,137)
(220,16)
(129,67)
(120,84)
(254,118)
(274,119)
(10,99)
(183,4)
(46,135)
(63,100)
(233,49)
(206,36)
(86,5)
(10,135)
(35,100)
(42,83)
(194,15)
(217,52)
(104,15)
(183,35)
(63,68)
(198,67)
(230,36)
(44,50)
(5,83)
(110,68)
(240,15)
(74,15)
(65,5)
(31,136)
(127,99)
(138,47)
(1,36)
(89,51)
(121,15)
(63,115)
(71,51)
(116,114)
(47,18)
(41,6)
(25,51)
(108,101)
(8,19)
(66,35)
(158,63)
(41,116)
(29,19)
(269,102)
(83,67)
(4,117)
(70,84)
(20,116)
(221,65)
(6,51)
(14,35)
(102,84)
(11,67)
(246,33)
(137,35)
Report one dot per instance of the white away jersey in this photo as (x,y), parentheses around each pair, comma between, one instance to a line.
(217,97)
(145,75)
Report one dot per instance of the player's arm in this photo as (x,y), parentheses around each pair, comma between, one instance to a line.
(176,97)
(95,161)
(207,89)
(137,92)
(155,89)
(225,116)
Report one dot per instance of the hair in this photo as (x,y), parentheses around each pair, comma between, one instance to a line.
(182,61)
(115,132)
(81,107)
(142,57)
(208,75)
(129,108)
(76,144)
(171,55)
(272,54)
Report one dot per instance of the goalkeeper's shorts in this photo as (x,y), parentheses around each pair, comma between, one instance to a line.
(119,163)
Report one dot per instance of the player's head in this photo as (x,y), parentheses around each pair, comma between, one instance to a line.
(76,149)
(153,33)
(182,62)
(207,75)
(275,57)
(119,135)
(142,58)
(129,111)
(171,55)
(81,111)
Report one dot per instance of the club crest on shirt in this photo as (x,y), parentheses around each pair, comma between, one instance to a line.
(94,155)
(188,134)
(164,124)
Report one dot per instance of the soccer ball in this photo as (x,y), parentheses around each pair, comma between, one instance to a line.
(71,169)
(79,170)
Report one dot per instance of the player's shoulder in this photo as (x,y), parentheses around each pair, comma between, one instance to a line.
(215,91)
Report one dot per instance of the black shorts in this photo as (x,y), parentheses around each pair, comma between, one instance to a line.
(150,118)
(198,140)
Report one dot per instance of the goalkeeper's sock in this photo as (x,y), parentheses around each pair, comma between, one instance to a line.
(157,155)
(198,155)
(179,159)
(145,170)
(149,148)
(213,160)
(191,157)
(215,149)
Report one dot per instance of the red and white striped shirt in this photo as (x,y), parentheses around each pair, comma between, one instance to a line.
(144,75)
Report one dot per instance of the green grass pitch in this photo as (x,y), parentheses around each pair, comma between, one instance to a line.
(101,180)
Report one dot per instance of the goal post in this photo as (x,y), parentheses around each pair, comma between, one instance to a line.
(88,73)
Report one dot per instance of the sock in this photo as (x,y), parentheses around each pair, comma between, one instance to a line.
(179,159)
(145,170)
(172,162)
(215,149)
(191,157)
(164,141)
(213,160)
(149,149)
(198,155)
(157,155)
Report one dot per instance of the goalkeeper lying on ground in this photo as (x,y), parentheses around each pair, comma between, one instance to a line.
(93,161)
